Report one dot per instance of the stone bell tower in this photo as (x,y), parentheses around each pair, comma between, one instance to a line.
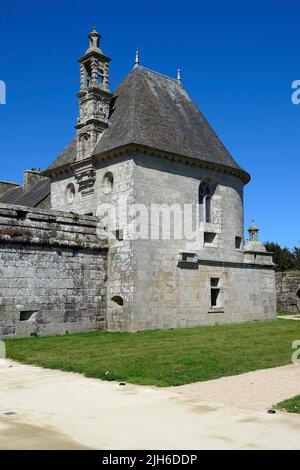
(253,232)
(94,104)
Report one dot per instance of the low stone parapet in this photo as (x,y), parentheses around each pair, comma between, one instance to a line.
(288,291)
(53,272)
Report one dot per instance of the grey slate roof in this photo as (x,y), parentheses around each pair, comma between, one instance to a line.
(155,111)
(67,156)
(31,198)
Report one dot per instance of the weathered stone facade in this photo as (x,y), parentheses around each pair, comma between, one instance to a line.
(173,277)
(159,288)
(146,145)
(288,291)
(53,273)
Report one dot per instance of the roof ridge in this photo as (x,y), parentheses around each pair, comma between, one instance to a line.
(132,91)
(157,73)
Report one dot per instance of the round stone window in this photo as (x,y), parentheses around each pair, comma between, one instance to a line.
(108,182)
(70,193)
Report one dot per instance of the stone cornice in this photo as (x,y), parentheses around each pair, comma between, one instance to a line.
(92,53)
(224,264)
(129,148)
(94,90)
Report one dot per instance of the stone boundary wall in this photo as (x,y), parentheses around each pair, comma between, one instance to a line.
(288,291)
(53,273)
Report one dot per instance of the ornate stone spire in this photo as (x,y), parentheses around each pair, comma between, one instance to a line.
(94,97)
(94,104)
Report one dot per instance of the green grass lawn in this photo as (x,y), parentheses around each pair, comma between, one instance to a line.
(292,405)
(164,357)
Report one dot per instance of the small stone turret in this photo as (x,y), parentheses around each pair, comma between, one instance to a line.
(255,250)
(253,232)
(253,244)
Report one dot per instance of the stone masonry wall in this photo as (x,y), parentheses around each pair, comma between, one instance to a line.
(53,273)
(288,291)
(120,260)
(172,293)
(148,287)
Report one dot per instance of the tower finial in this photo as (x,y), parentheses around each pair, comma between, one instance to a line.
(179,75)
(137,57)
(94,38)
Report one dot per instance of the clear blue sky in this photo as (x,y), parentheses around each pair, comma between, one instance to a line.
(238,59)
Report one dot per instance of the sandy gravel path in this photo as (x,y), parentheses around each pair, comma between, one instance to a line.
(255,390)
(49,409)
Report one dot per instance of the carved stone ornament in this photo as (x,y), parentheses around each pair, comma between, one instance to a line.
(85,177)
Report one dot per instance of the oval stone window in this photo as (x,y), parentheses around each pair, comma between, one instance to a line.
(70,193)
(108,182)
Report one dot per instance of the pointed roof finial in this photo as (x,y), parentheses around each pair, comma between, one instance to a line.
(253,225)
(94,38)
(179,75)
(137,57)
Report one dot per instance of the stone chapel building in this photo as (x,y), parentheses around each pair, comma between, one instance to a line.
(65,269)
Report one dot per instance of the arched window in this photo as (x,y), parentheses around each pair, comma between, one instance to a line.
(85,144)
(205,201)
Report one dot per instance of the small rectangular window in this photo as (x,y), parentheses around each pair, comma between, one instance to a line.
(215,293)
(214,297)
(26,315)
(209,238)
(214,282)
(238,243)
(119,235)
